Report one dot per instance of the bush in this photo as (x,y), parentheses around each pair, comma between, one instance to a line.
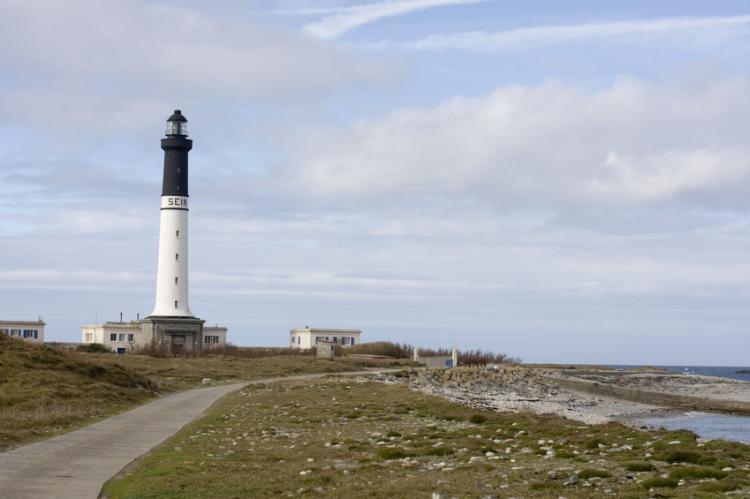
(388,454)
(686,456)
(639,466)
(477,419)
(697,472)
(726,485)
(660,482)
(592,473)
(593,443)
(93,348)
(406,351)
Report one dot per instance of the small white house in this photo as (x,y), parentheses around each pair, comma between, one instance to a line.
(214,336)
(26,330)
(308,337)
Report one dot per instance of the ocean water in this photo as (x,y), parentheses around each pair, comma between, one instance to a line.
(704,424)
(719,371)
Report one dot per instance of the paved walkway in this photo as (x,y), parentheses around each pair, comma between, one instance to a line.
(77,464)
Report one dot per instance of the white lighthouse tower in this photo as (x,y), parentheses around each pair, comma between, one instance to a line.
(172,274)
(172,325)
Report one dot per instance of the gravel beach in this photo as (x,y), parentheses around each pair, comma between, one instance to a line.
(519,388)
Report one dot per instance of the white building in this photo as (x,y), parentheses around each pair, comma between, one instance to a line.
(124,337)
(307,337)
(26,330)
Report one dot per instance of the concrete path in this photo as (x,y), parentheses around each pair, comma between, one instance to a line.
(77,464)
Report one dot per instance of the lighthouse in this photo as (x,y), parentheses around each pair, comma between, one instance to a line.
(172,273)
(172,326)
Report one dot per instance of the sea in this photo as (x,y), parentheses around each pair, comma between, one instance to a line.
(704,424)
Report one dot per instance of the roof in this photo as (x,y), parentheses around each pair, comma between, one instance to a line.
(22,323)
(326,330)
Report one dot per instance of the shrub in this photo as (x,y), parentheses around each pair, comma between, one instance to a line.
(592,473)
(477,418)
(660,482)
(388,454)
(697,472)
(438,451)
(93,348)
(593,443)
(686,456)
(726,485)
(639,466)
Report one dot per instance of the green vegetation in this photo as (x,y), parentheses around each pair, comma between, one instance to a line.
(477,419)
(296,439)
(659,482)
(406,351)
(592,473)
(639,466)
(44,392)
(696,472)
(93,348)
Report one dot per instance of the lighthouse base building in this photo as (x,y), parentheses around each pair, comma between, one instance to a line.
(177,336)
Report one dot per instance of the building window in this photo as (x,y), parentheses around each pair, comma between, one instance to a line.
(177,234)
(176,257)
(130,337)
(36,334)
(176,280)
(175,304)
(122,336)
(112,337)
(210,339)
(298,340)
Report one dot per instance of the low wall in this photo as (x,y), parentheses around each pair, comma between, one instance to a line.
(684,402)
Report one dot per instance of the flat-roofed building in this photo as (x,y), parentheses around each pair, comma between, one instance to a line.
(309,337)
(25,330)
(214,336)
(124,337)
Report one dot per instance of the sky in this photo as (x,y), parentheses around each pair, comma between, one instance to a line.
(559,181)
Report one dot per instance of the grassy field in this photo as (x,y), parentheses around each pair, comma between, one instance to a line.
(351,438)
(44,392)
(186,372)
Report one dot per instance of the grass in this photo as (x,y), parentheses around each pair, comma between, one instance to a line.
(44,392)
(639,466)
(296,439)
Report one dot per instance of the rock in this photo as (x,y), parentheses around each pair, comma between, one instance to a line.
(727,469)
(572,480)
(205,381)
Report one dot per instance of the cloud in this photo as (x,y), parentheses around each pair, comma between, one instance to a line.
(343,19)
(546,146)
(117,65)
(482,41)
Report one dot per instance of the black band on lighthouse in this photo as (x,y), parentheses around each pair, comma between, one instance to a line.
(175,165)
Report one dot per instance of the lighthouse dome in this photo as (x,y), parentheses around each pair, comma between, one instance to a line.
(177,124)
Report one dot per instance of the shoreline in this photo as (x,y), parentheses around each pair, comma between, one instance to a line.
(588,395)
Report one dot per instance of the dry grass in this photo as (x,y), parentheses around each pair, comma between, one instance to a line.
(349,438)
(406,351)
(44,391)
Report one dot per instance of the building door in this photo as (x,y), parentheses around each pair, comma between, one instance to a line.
(178,344)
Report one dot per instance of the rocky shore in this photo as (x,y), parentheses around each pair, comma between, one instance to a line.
(588,395)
